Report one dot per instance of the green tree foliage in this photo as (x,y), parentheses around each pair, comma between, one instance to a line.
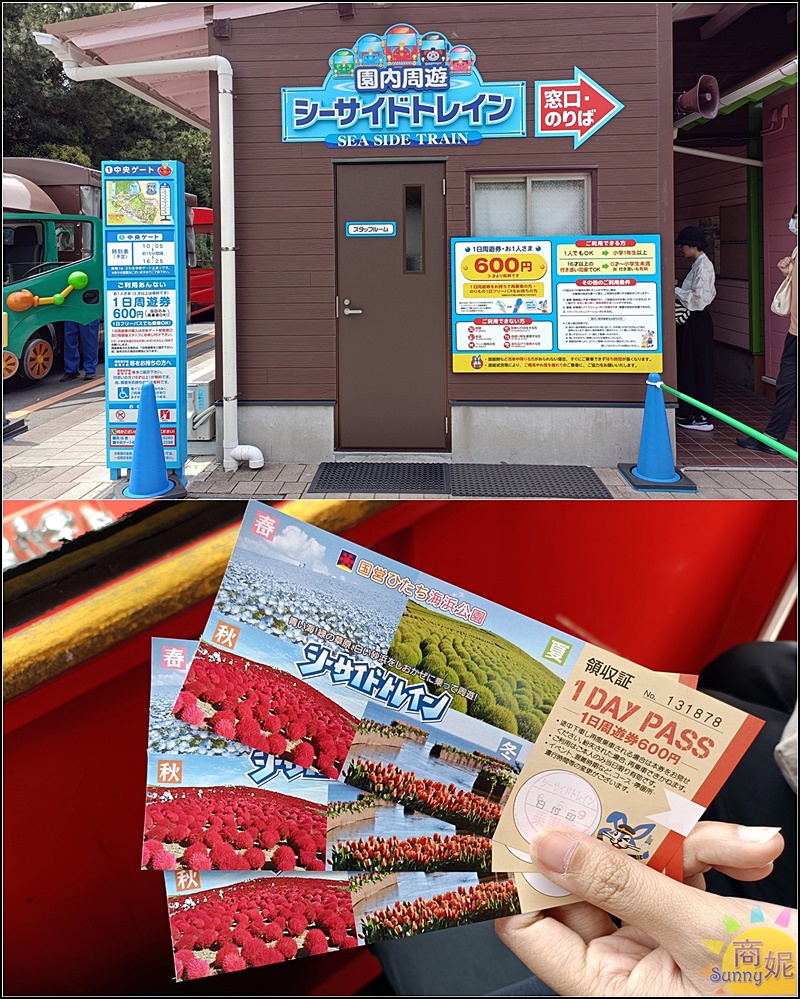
(408,653)
(529,725)
(468,679)
(483,702)
(449,675)
(433,662)
(47,115)
(501,718)
(480,675)
(506,701)
(459,703)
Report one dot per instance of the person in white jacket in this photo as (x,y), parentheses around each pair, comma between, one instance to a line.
(695,337)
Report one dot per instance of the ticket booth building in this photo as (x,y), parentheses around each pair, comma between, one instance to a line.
(367,137)
(346,339)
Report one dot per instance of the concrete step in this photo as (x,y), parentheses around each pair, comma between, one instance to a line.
(394,456)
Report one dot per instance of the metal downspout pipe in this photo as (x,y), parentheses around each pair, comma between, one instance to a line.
(233,452)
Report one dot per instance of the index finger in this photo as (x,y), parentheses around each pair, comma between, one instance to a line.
(744,852)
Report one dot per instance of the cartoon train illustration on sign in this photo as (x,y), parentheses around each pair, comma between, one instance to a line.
(462,60)
(402,46)
(434,48)
(343,64)
(369,52)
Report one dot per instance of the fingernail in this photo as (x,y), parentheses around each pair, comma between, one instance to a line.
(554,850)
(758,834)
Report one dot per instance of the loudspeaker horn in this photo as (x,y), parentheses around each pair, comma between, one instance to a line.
(703,99)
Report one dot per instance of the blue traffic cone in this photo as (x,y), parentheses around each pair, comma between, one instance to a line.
(148,476)
(655,469)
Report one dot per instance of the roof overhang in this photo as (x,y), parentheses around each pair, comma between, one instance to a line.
(21,195)
(168,31)
(152,34)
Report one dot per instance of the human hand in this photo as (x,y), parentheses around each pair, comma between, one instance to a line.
(785,266)
(661,949)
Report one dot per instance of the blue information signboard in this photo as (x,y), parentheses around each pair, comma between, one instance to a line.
(145,304)
(556,303)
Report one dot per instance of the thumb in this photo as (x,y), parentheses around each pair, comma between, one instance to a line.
(623,886)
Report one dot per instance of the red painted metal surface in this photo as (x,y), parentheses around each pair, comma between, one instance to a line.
(36,527)
(669,584)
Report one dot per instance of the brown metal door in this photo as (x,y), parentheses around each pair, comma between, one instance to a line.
(392,329)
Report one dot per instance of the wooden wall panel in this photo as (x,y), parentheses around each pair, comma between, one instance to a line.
(285,194)
(780,197)
(702,187)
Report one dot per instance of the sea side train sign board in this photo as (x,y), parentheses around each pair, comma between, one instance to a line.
(403,89)
(145,311)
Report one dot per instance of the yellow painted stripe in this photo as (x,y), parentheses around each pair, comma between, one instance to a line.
(137,603)
(334,515)
(100,380)
(69,637)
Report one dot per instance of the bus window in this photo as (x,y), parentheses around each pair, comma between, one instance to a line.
(85,239)
(23,249)
(73,241)
(65,240)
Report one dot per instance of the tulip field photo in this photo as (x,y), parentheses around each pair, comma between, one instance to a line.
(371,834)
(221,923)
(434,902)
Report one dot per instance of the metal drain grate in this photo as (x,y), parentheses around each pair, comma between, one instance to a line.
(380,477)
(527,481)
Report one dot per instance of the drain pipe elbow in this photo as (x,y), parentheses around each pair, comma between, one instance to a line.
(243,452)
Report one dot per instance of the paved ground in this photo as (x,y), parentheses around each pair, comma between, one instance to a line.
(63,457)
(292,481)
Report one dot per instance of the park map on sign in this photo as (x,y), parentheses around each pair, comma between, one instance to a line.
(133,202)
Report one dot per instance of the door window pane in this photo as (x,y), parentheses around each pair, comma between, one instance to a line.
(500,208)
(413,230)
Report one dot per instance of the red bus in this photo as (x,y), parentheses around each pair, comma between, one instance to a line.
(201,276)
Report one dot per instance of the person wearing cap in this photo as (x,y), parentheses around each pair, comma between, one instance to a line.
(786,382)
(695,337)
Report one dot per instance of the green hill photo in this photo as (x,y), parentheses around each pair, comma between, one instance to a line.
(514,691)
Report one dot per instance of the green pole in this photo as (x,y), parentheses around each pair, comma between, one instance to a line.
(769,441)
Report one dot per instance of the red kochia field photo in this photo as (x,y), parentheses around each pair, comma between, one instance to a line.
(267,709)
(232,829)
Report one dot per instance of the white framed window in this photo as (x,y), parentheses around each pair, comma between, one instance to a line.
(542,204)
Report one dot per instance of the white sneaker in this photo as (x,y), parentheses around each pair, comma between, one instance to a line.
(698,423)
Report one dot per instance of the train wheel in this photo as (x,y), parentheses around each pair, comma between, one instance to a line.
(37,359)
(10,364)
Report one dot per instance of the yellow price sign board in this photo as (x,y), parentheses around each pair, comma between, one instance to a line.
(503,266)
